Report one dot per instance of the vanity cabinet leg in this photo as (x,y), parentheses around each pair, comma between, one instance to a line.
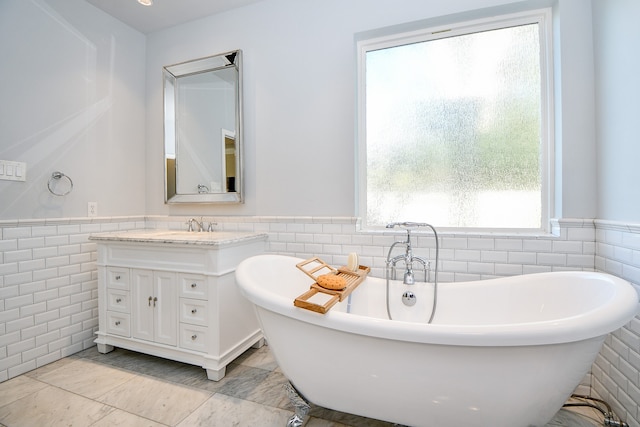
(105,348)
(216,374)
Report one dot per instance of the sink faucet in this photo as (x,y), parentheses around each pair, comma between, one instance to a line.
(194,223)
(199,224)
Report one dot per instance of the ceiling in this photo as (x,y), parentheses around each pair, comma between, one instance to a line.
(164,13)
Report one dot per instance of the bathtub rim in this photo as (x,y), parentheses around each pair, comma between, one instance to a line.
(589,324)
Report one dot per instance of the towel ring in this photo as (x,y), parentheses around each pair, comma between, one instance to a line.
(55,177)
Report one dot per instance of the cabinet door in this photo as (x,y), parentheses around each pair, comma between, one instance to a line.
(142,308)
(165,300)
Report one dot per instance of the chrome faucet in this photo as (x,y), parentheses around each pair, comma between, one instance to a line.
(407,257)
(193,221)
(409,298)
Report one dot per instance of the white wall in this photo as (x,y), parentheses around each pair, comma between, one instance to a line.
(616,43)
(74,81)
(574,108)
(72,91)
(299,98)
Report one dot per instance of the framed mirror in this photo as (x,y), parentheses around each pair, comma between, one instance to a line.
(203,130)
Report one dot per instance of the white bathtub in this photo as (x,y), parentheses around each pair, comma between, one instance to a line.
(502,352)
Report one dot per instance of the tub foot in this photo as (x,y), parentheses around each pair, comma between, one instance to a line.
(301,406)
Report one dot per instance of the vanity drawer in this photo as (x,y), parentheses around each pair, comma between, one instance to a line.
(193,311)
(193,337)
(118,278)
(118,300)
(193,286)
(118,324)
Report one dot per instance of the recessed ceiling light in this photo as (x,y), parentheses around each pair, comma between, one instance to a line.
(145,2)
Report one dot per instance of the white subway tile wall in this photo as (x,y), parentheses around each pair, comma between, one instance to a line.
(616,373)
(48,288)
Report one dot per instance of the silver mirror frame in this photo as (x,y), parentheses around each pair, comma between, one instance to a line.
(175,71)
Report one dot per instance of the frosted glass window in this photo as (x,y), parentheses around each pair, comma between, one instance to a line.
(453,130)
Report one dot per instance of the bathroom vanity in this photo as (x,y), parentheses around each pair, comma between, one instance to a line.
(173,294)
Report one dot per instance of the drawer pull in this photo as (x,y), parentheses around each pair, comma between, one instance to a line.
(194,311)
(118,277)
(118,300)
(117,323)
(194,337)
(193,285)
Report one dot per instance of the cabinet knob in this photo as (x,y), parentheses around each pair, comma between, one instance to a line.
(194,337)
(150,298)
(193,285)
(118,300)
(118,277)
(117,323)
(155,299)
(194,311)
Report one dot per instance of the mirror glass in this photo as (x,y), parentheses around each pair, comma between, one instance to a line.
(202,130)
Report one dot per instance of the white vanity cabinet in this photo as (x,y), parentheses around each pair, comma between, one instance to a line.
(173,295)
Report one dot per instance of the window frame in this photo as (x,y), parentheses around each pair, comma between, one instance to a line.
(542,17)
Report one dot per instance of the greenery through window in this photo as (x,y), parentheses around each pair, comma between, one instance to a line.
(454,125)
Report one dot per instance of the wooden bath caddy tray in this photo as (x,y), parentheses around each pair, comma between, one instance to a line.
(320,299)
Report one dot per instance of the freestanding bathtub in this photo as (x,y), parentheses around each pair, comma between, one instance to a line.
(501,352)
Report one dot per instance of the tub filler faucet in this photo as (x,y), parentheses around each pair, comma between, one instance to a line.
(409,297)
(408,258)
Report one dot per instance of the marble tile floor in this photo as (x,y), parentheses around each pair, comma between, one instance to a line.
(125,388)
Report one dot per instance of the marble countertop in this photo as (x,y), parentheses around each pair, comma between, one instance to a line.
(213,238)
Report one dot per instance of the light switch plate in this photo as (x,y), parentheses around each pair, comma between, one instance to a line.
(13,171)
